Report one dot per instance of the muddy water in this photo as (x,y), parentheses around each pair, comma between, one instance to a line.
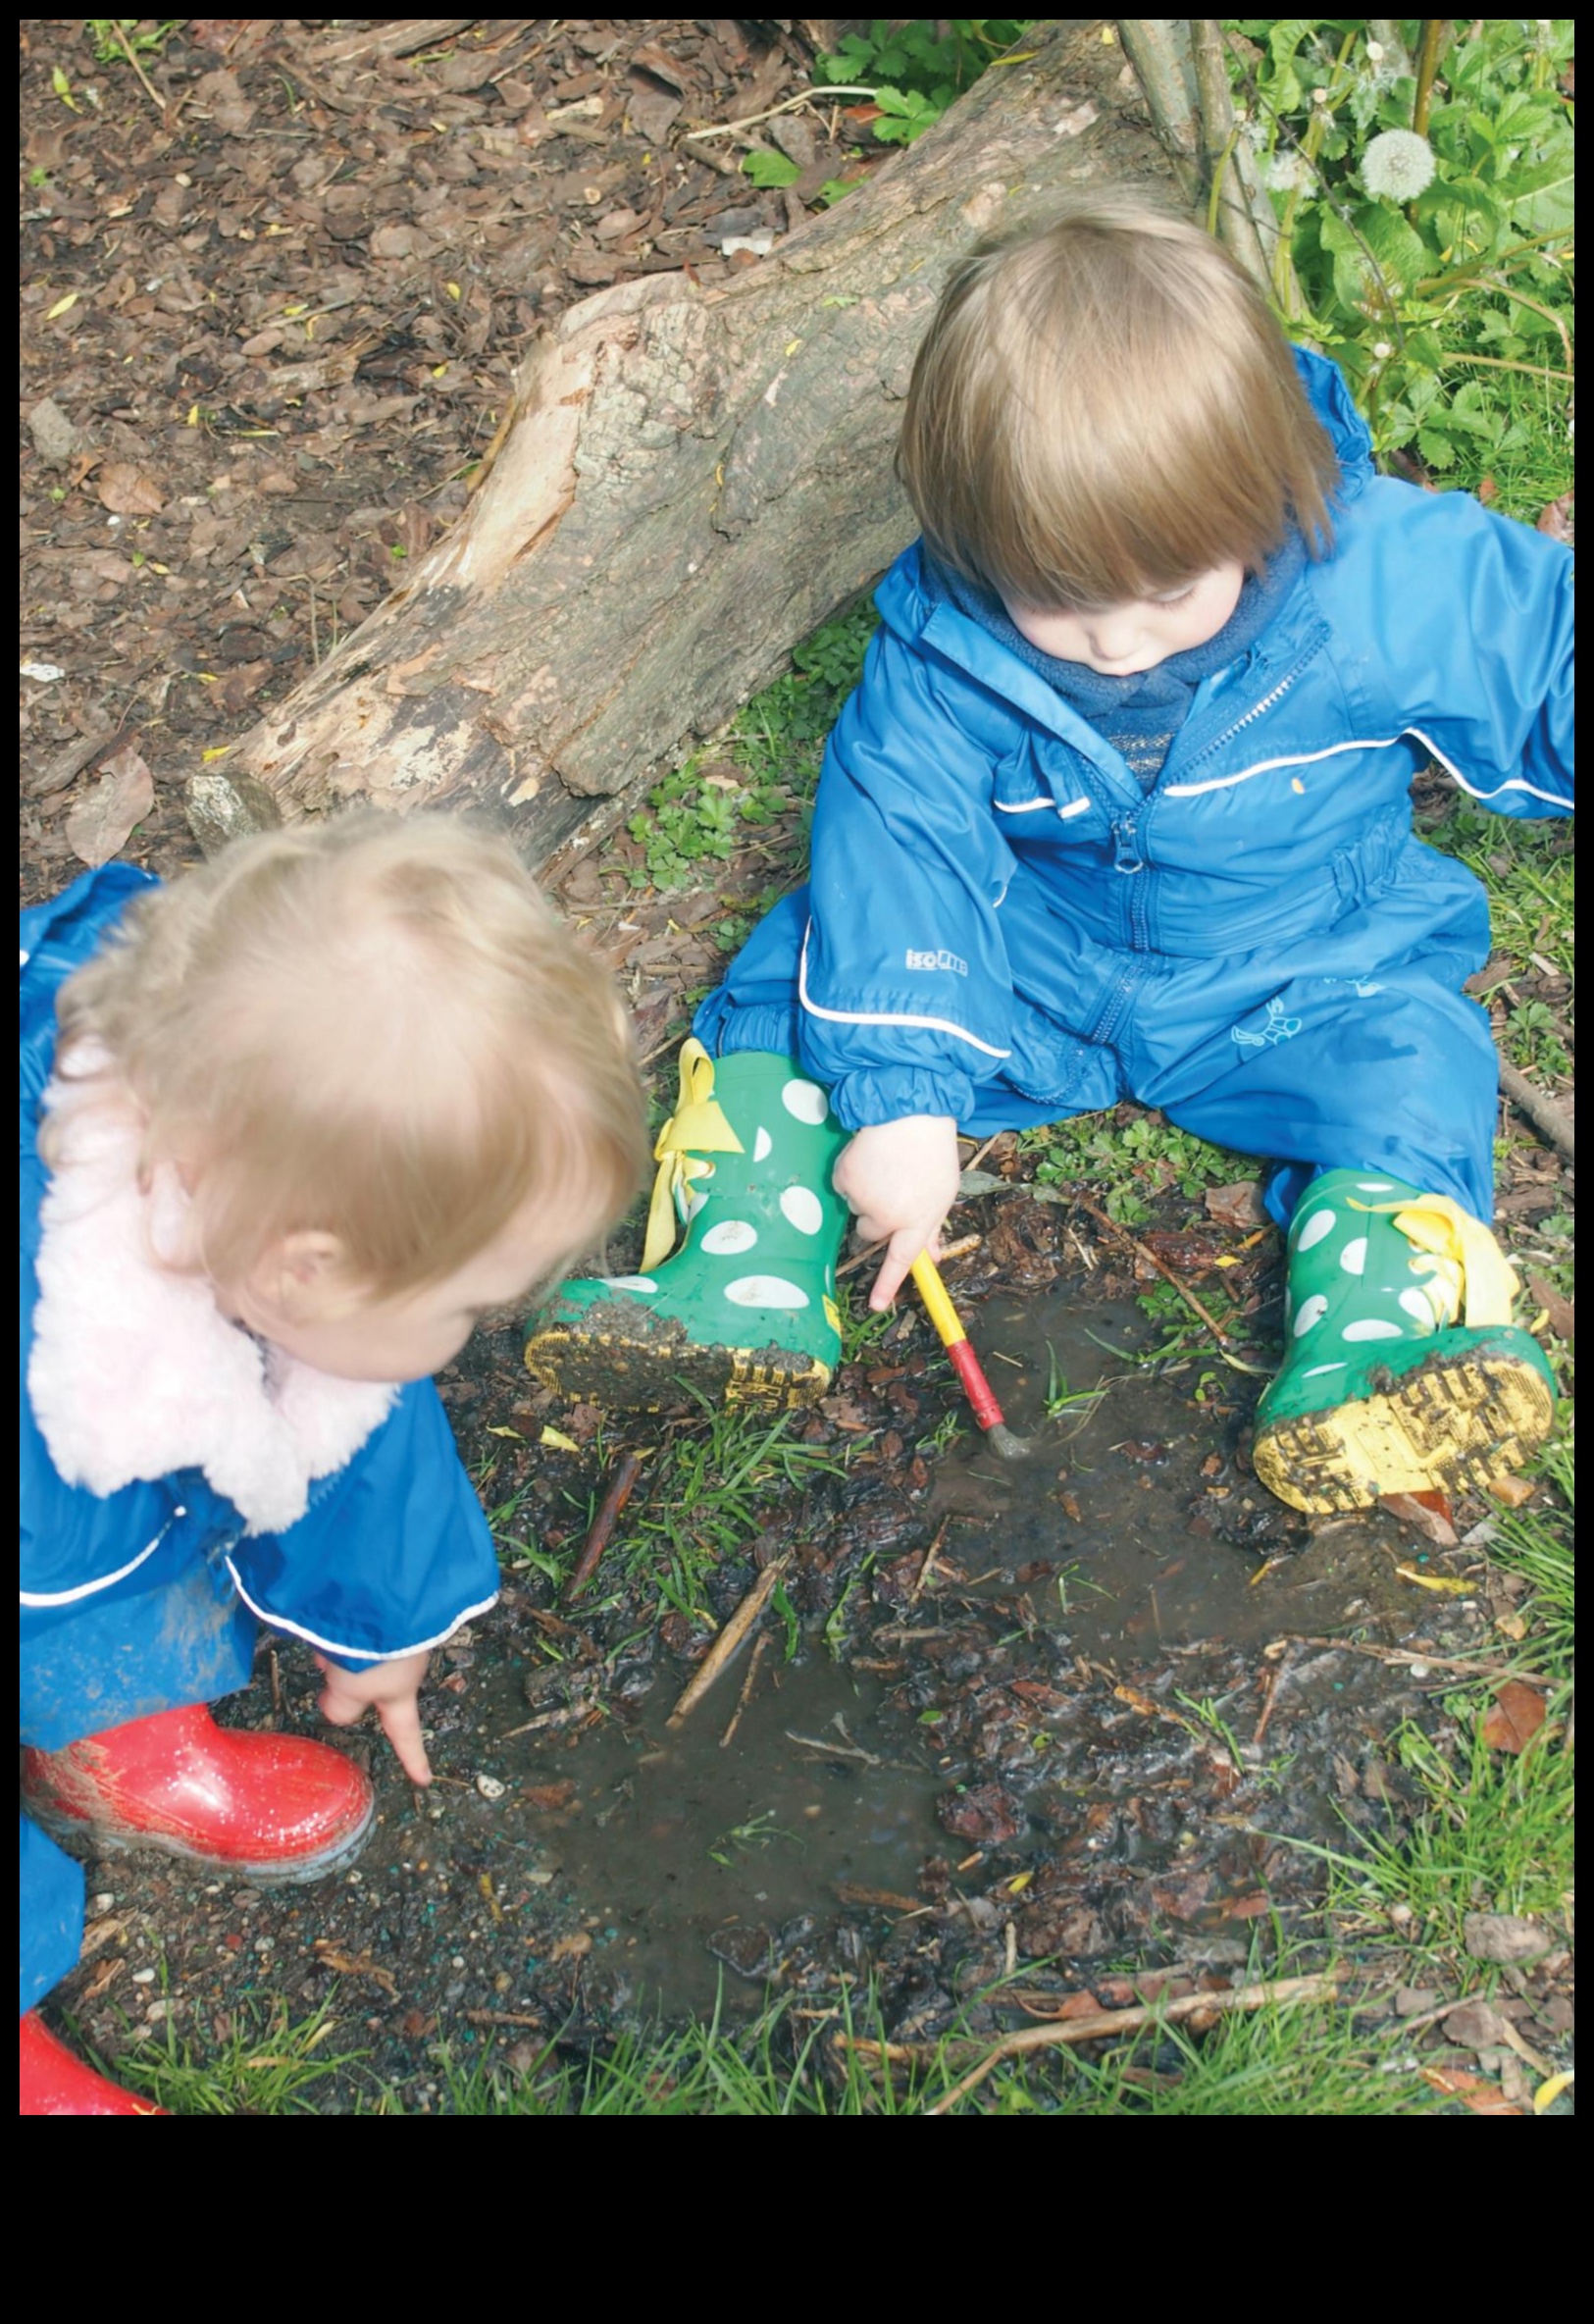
(693,1866)
(1131,1526)
(654,1870)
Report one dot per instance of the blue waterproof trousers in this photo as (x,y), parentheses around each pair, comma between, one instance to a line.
(1395,1070)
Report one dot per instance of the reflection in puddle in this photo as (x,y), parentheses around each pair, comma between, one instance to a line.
(1130,1526)
(686,1859)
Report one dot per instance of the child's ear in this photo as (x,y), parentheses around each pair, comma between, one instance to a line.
(297,1277)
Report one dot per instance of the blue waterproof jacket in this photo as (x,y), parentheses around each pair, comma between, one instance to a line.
(996,900)
(134,1601)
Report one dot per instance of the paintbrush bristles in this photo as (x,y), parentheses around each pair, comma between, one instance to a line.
(1008,1447)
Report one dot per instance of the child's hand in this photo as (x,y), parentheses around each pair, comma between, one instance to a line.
(392,1687)
(900,1177)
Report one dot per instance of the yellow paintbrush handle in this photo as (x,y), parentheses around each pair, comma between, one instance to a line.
(937,1305)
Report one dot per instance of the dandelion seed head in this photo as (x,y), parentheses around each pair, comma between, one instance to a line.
(1398,163)
(1289,173)
(1382,350)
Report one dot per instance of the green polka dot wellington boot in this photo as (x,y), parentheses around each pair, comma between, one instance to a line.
(1403,1371)
(743,1308)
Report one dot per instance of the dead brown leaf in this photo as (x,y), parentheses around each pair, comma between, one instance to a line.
(126,489)
(1516,1718)
(1482,2098)
(573,1947)
(1558,518)
(1512,1490)
(108,1970)
(1427,1514)
(1238,1206)
(550,1797)
(1560,1313)
(104,818)
(344,1963)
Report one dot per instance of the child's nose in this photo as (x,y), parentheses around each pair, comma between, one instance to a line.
(1114,638)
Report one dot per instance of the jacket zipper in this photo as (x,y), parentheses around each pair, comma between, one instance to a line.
(1255,711)
(1126,829)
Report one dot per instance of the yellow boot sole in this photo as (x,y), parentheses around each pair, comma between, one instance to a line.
(1460,1420)
(628,1369)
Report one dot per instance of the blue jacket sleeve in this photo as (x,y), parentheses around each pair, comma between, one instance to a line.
(905,989)
(392,1555)
(1475,614)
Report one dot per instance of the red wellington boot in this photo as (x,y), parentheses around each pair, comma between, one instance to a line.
(51,2081)
(266,1807)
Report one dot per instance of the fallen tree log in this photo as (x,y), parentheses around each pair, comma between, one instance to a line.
(691,479)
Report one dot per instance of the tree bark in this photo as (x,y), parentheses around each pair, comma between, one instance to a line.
(690,480)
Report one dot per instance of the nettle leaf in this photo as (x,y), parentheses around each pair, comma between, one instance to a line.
(1400,253)
(1436,449)
(1541,200)
(1353,276)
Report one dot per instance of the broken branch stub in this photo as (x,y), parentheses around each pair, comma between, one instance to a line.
(690,480)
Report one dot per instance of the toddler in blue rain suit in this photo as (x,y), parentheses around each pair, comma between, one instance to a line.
(288,1127)
(1120,809)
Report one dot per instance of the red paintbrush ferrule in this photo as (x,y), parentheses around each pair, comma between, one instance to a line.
(976,1387)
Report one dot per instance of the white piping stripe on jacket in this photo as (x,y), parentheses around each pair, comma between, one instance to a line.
(87,1590)
(279,1622)
(1265,767)
(863,1016)
(1033,807)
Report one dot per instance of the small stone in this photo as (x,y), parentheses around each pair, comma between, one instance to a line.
(1504,1936)
(490,1786)
(1415,2000)
(55,438)
(1474,2025)
(795,139)
(143,1976)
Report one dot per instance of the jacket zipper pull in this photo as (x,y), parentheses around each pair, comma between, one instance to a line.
(1123,839)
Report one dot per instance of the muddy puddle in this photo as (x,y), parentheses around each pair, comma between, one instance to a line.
(693,1865)
(1132,1526)
(1046,1718)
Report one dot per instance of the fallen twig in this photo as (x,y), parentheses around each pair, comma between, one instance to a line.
(1554,1126)
(1167,1274)
(621,1486)
(1276,1679)
(835,1750)
(1103,2027)
(742,1699)
(128,50)
(1406,1655)
(927,1562)
(729,1640)
(804,96)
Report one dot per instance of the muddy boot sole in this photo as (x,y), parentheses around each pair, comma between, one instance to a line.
(81,1837)
(1459,1421)
(645,1365)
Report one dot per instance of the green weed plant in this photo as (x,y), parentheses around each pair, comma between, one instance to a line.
(1426,236)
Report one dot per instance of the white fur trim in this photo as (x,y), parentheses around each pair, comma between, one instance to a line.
(135,1369)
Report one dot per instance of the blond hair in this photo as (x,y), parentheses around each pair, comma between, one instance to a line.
(373,1027)
(1105,408)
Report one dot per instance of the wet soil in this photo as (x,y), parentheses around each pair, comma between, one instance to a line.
(273,298)
(1065,1717)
